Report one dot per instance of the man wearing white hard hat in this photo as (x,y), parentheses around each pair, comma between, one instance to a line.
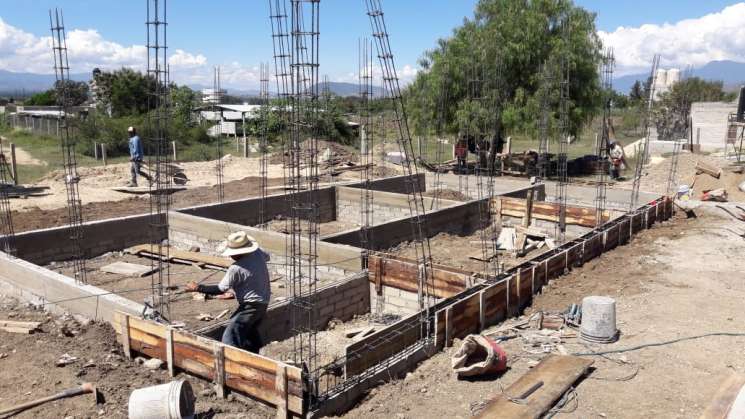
(136,155)
(248,278)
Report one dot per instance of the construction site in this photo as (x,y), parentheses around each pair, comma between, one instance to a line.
(493,283)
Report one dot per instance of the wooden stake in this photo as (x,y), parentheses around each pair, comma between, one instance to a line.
(173,146)
(219,351)
(281,387)
(169,351)
(449,326)
(103,153)
(125,337)
(482,311)
(13,164)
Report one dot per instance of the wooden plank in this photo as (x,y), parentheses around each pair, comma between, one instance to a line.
(556,372)
(637,223)
(612,237)
(281,385)
(547,211)
(449,327)
(124,331)
(724,399)
(651,215)
(624,231)
(128,269)
(404,275)
(148,250)
(20,325)
(169,351)
(243,371)
(482,311)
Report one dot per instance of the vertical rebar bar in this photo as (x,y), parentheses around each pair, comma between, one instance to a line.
(264,142)
(67,142)
(7,233)
(603,144)
(159,115)
(643,153)
(217,113)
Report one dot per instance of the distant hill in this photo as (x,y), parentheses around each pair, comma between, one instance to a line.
(349,89)
(13,83)
(731,73)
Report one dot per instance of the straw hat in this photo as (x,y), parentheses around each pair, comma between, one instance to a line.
(131,129)
(240,243)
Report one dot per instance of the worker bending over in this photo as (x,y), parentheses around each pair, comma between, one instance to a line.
(248,277)
(617,159)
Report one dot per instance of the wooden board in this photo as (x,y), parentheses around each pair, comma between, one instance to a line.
(181,256)
(404,275)
(248,373)
(612,236)
(144,190)
(547,211)
(721,406)
(128,269)
(557,373)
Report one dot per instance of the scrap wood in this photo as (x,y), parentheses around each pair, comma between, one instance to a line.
(557,373)
(360,332)
(708,169)
(180,256)
(729,401)
(18,327)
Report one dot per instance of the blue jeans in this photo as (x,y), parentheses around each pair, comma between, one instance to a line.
(242,330)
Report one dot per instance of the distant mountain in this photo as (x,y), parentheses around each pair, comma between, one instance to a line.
(730,72)
(349,89)
(14,83)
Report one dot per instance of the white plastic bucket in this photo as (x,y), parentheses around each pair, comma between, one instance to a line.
(174,400)
(598,320)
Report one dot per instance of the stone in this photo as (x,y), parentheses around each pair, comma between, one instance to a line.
(153,364)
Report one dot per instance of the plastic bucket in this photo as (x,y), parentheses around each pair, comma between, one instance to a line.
(174,400)
(598,320)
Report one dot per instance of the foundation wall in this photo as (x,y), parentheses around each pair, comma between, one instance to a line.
(40,285)
(395,184)
(342,300)
(53,244)
(396,301)
(386,206)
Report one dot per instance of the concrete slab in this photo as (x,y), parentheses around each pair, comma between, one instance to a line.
(128,269)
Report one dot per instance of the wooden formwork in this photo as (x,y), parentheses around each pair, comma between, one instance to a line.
(484,305)
(549,211)
(266,380)
(403,274)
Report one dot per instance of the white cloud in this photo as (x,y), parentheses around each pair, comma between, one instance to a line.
(183,59)
(716,36)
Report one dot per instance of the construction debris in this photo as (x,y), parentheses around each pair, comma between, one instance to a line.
(128,269)
(479,355)
(539,389)
(360,332)
(65,359)
(85,388)
(716,195)
(714,172)
(19,327)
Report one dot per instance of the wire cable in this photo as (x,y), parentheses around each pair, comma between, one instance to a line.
(664,343)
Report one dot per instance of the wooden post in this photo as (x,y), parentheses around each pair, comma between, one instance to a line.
(280,384)
(173,146)
(169,351)
(521,236)
(218,349)
(245,146)
(482,311)
(95,150)
(13,164)
(449,326)
(125,337)
(103,153)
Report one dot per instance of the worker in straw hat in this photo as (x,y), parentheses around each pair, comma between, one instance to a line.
(248,278)
(136,155)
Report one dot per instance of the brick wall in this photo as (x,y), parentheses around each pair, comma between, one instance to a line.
(395,301)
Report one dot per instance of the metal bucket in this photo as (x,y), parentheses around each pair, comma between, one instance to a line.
(174,400)
(598,320)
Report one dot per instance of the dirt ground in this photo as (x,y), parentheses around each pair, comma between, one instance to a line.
(324,229)
(654,177)
(29,372)
(34,217)
(682,278)
(456,251)
(448,194)
(183,306)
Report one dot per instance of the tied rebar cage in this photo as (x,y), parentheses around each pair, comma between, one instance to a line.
(415,201)
(264,143)
(7,232)
(563,132)
(543,129)
(302,162)
(67,142)
(217,114)
(367,132)
(604,140)
(642,154)
(159,106)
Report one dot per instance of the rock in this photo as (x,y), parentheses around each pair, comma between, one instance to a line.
(139,360)
(82,320)
(3,355)
(195,249)
(153,364)
(205,317)
(89,364)
(207,392)
(198,296)
(65,359)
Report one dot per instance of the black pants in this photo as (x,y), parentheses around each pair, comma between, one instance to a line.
(242,330)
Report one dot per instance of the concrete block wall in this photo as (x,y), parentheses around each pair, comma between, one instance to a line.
(395,301)
(342,300)
(247,211)
(386,206)
(395,184)
(53,244)
(711,119)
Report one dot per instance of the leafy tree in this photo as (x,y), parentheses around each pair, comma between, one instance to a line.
(184,100)
(47,98)
(76,92)
(673,109)
(636,94)
(491,69)
(124,91)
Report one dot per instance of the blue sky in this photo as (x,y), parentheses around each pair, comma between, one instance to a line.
(235,33)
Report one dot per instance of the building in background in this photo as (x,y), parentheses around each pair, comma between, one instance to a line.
(664,81)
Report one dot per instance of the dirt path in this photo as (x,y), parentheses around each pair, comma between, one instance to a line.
(681,278)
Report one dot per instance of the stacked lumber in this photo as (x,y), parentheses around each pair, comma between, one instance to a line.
(180,256)
(19,327)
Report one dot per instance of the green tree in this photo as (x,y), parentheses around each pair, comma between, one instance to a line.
(636,94)
(672,111)
(124,91)
(47,98)
(493,63)
(76,92)
(184,100)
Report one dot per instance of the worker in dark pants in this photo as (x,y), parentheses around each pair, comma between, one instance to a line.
(248,278)
(136,155)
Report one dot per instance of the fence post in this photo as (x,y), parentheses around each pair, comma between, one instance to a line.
(95,150)
(13,165)
(173,145)
(103,153)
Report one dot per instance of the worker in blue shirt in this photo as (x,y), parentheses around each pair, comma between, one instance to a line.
(136,156)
